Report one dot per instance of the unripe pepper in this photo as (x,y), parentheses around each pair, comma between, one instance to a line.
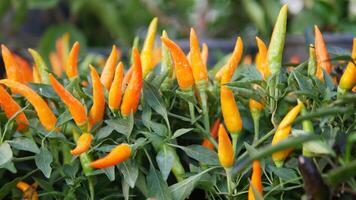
(147,49)
(10,107)
(232,62)
(132,93)
(72,62)
(283,132)
(182,68)
(35,75)
(115,93)
(75,107)
(83,144)
(117,155)
(41,66)
(322,56)
(256,181)
(107,74)
(348,78)
(199,70)
(96,113)
(44,113)
(225,150)
(29,191)
(276,45)
(13,71)
(214,134)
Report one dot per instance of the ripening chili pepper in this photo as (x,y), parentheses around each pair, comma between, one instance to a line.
(35,75)
(322,56)
(199,70)
(29,191)
(41,66)
(232,62)
(44,113)
(72,62)
(62,48)
(83,144)
(56,64)
(132,93)
(156,56)
(225,150)
(205,53)
(182,68)
(146,53)
(117,155)
(276,45)
(13,71)
(283,132)
(256,181)
(262,63)
(96,113)
(214,134)
(10,107)
(75,107)
(311,61)
(107,74)
(348,78)
(115,93)
(24,68)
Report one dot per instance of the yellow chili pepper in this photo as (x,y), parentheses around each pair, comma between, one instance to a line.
(283,132)
(146,53)
(96,113)
(348,78)
(72,62)
(205,53)
(115,94)
(262,64)
(107,75)
(256,181)
(225,150)
(36,75)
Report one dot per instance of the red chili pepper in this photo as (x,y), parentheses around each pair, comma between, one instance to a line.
(214,134)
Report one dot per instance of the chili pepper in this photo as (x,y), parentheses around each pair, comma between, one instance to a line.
(282,133)
(10,107)
(56,64)
(36,75)
(117,155)
(24,67)
(83,144)
(107,74)
(205,53)
(75,107)
(200,73)
(262,64)
(29,191)
(40,65)
(127,77)
(167,60)
(182,68)
(311,61)
(115,93)
(45,114)
(132,93)
(348,78)
(322,56)
(146,53)
(214,134)
(225,150)
(62,48)
(247,60)
(256,181)
(72,62)
(255,109)
(276,45)
(232,62)
(97,110)
(13,71)
(156,56)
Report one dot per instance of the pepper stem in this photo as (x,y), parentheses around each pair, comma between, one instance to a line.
(256,123)
(234,137)
(229,181)
(204,102)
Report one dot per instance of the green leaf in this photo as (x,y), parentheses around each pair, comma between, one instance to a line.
(283,173)
(24,144)
(201,154)
(110,173)
(43,161)
(104,132)
(5,153)
(165,161)
(130,171)
(123,126)
(157,187)
(181,132)
(44,90)
(64,118)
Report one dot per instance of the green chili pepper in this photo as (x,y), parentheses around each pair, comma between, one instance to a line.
(40,65)
(311,61)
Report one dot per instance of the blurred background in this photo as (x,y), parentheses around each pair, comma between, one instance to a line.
(97,24)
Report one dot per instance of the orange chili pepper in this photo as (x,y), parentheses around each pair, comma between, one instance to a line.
(29,191)
(97,110)
(200,73)
(56,64)
(262,62)
(117,155)
(256,181)
(75,107)
(72,63)
(232,63)
(214,134)
(182,68)
(156,56)
(247,60)
(13,71)
(255,105)
(44,113)
(230,110)
(205,53)
(225,150)
(24,67)
(62,48)
(348,78)
(146,53)
(283,132)
(10,107)
(36,76)
(115,93)
(83,144)
(132,94)
(322,56)
(127,77)
(107,74)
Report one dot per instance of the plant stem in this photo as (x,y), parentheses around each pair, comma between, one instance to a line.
(256,123)
(234,137)
(229,181)
(191,111)
(91,188)
(204,102)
